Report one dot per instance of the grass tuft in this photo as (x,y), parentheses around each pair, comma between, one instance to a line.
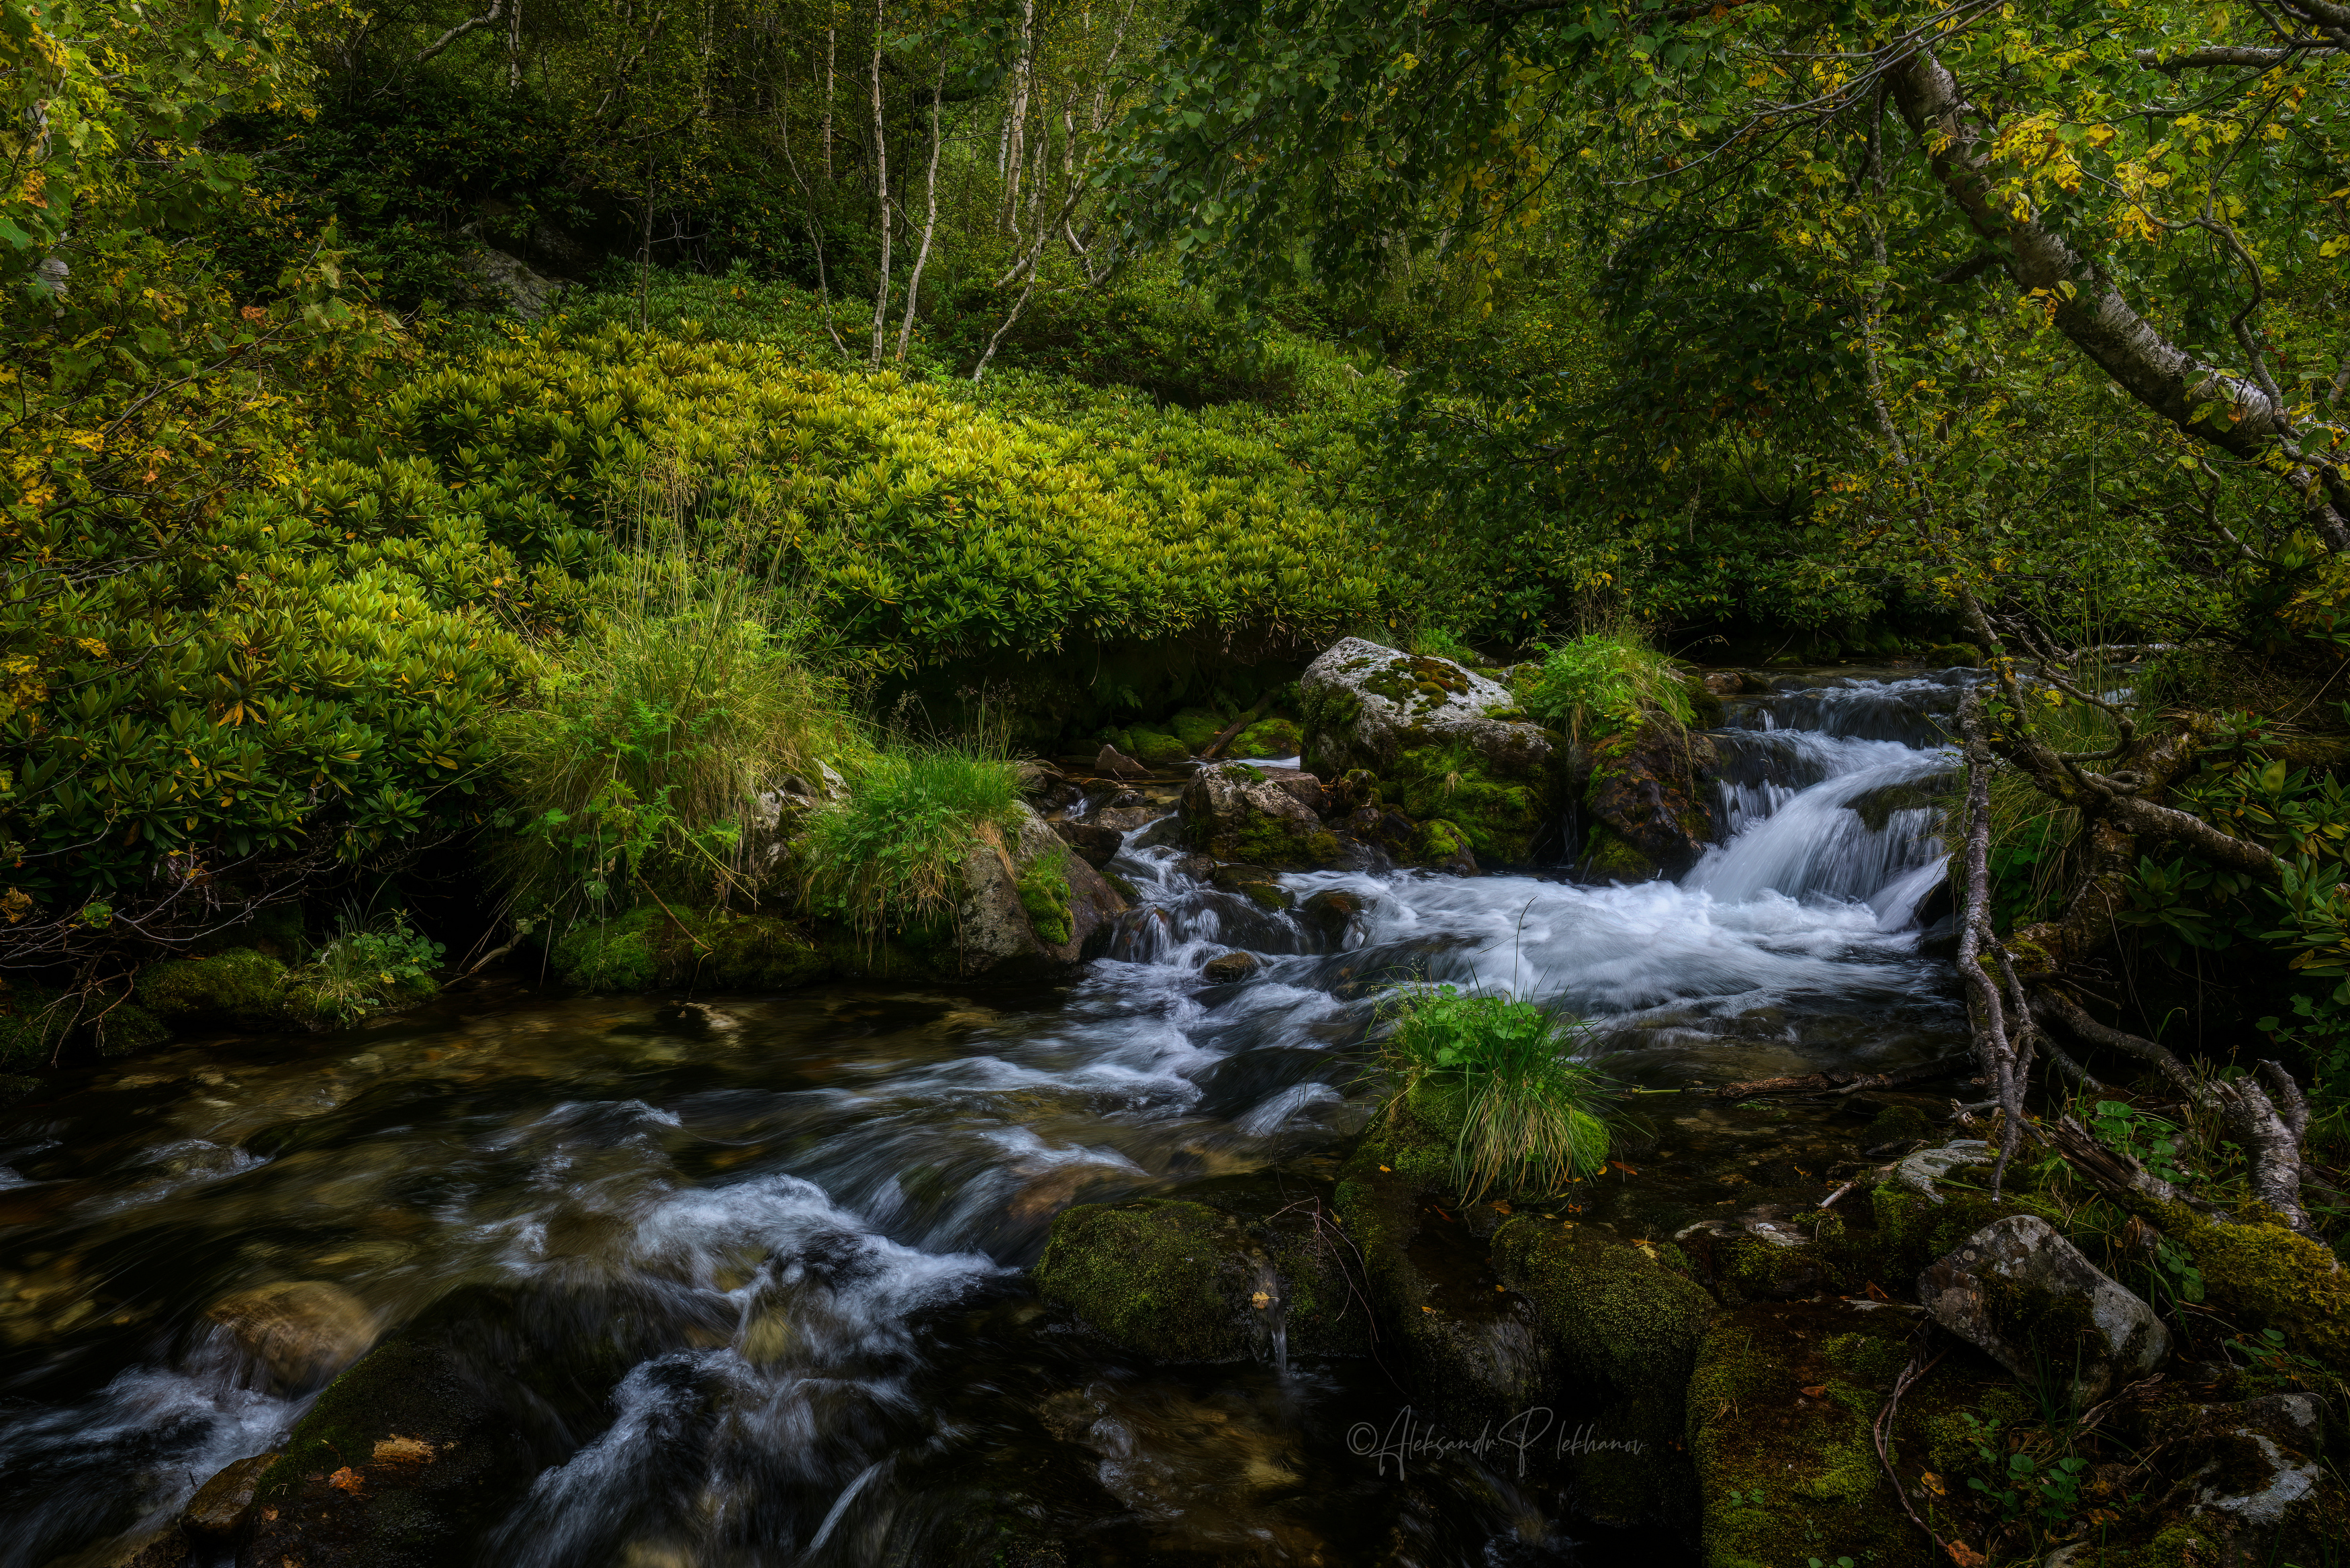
(1606,683)
(1534,1113)
(889,856)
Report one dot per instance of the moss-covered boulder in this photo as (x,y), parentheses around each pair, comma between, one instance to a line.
(1648,786)
(2259,1274)
(1444,741)
(1183,1282)
(1031,908)
(1157,750)
(1195,727)
(1279,736)
(1609,856)
(1625,1321)
(239,987)
(1234,811)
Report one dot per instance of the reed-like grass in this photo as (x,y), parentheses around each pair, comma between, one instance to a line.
(1606,682)
(889,858)
(1535,1113)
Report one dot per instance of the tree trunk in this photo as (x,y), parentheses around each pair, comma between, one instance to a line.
(929,217)
(1016,116)
(880,194)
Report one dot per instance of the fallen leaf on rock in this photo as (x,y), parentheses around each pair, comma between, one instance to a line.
(348,1480)
(1962,1554)
(1817,1391)
(403,1451)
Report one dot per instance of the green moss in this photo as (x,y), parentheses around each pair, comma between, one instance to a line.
(1159,751)
(1044,889)
(33,1025)
(238,986)
(1278,841)
(1500,816)
(1898,1123)
(1157,1276)
(1275,737)
(709,948)
(1441,842)
(1945,654)
(1195,727)
(2259,1274)
(1608,855)
(1627,1323)
(1784,1477)
(612,955)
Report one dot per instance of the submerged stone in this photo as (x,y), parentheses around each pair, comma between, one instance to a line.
(304,1331)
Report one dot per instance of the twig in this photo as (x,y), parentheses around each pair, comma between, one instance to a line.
(1910,1375)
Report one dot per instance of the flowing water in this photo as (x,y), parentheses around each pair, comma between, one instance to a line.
(770,1276)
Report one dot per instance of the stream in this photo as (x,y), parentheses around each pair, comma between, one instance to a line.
(773,1272)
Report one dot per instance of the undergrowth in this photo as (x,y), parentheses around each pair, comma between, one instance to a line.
(1604,683)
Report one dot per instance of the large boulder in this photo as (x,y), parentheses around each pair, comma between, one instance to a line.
(2025,1296)
(1647,791)
(1236,811)
(1031,904)
(1182,1281)
(1446,744)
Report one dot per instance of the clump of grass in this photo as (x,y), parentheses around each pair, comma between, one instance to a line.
(367,965)
(1534,1113)
(1606,683)
(889,858)
(653,733)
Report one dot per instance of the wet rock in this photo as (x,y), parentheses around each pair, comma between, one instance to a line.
(1093,842)
(1128,818)
(240,987)
(1256,883)
(1247,1079)
(1198,867)
(1046,787)
(2025,1296)
(1626,1322)
(1278,736)
(304,1331)
(1030,906)
(1759,1253)
(1183,1282)
(1235,810)
(1114,763)
(218,1509)
(166,1547)
(697,1018)
(1648,787)
(1226,968)
(1608,857)
(1332,914)
(405,1461)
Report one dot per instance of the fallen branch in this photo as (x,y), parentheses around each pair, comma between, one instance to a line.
(1236,726)
(1843,1082)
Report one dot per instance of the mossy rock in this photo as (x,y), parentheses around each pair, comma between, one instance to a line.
(2259,1274)
(15,1086)
(1627,1321)
(1947,655)
(1900,1124)
(1045,897)
(1609,856)
(1876,808)
(1501,816)
(1158,751)
(239,986)
(1185,1282)
(1279,736)
(1195,727)
(403,1462)
(709,950)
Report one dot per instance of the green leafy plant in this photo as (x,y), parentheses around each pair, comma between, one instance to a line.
(2148,1138)
(1533,1114)
(368,965)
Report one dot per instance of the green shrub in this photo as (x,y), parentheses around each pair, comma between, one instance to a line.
(612,955)
(889,856)
(1604,683)
(1530,1113)
(365,967)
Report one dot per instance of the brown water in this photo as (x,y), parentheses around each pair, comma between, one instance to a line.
(764,1282)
